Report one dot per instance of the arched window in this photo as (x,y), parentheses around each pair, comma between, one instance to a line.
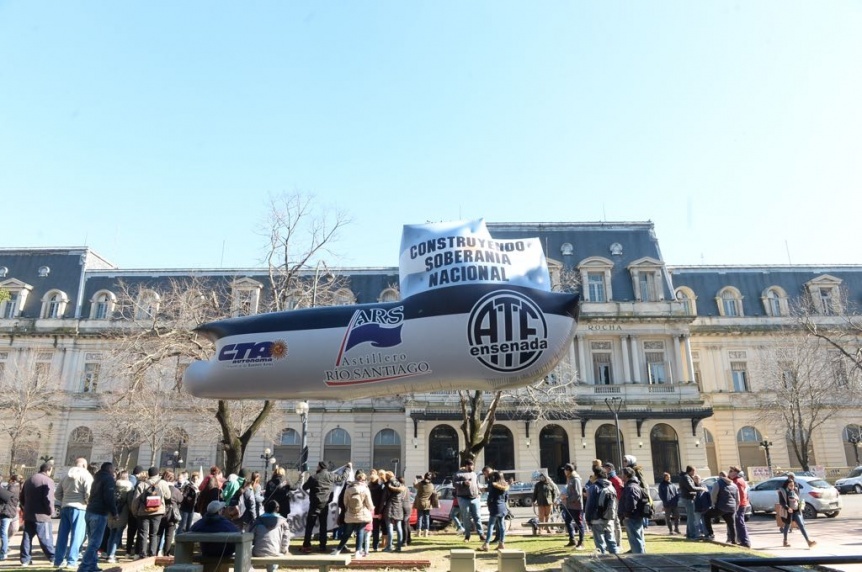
(343,297)
(852,438)
(147,305)
(729,302)
(336,448)
(389,295)
(443,452)
(387,446)
(500,450)
(664,443)
(102,305)
(80,445)
(748,441)
(54,304)
(688,299)
(288,451)
(554,450)
(607,448)
(775,302)
(175,448)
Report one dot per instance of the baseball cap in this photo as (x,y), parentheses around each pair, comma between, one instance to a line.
(214,507)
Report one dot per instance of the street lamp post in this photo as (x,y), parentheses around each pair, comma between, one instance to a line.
(855,440)
(268,460)
(615,404)
(302,410)
(765,445)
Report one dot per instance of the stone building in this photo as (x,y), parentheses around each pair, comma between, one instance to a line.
(666,353)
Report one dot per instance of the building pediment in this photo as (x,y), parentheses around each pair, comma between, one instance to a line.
(15,284)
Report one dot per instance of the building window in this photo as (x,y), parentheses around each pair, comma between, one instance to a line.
(657,368)
(18,291)
(288,451)
(102,305)
(748,434)
(775,302)
(10,306)
(245,297)
(336,448)
(54,304)
(595,276)
(739,375)
(147,306)
(596,282)
(729,302)
(688,299)
(343,297)
(389,295)
(602,368)
(90,381)
(824,293)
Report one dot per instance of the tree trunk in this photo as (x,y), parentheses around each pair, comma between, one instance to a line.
(476,424)
(233,442)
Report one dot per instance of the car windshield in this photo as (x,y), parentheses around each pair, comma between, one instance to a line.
(819,484)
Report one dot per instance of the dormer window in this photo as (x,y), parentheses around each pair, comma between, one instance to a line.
(688,299)
(389,295)
(14,304)
(567,249)
(343,297)
(147,305)
(646,279)
(44,271)
(596,275)
(102,305)
(54,304)
(246,297)
(824,293)
(729,301)
(3,271)
(775,302)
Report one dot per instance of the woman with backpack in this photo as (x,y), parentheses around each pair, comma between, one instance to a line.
(498,501)
(358,512)
(791,510)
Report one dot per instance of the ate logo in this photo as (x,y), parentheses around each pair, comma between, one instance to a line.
(507,331)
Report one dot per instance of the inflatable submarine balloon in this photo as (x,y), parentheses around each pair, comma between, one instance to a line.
(473,319)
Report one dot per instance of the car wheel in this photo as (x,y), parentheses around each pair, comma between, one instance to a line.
(857,488)
(809,512)
(527,502)
(832,514)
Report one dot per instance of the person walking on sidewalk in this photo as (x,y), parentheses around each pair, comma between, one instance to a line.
(791,511)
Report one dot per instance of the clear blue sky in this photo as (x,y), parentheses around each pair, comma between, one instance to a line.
(155,131)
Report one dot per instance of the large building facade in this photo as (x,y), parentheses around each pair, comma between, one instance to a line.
(670,355)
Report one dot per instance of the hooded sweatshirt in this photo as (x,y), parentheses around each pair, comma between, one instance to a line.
(74,489)
(271,535)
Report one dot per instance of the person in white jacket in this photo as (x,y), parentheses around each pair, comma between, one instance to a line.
(358,511)
(73,492)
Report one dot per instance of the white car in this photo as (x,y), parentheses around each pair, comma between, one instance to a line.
(850,483)
(819,496)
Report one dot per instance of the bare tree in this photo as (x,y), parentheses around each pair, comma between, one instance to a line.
(29,395)
(801,384)
(300,236)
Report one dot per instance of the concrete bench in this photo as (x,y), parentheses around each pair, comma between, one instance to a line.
(511,560)
(462,560)
(184,547)
(321,562)
(537,526)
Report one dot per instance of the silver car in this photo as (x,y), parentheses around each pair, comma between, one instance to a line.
(819,496)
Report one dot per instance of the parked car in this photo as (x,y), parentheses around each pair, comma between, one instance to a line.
(819,496)
(658,505)
(850,483)
(446,497)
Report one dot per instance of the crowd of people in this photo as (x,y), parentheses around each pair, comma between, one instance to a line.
(99,505)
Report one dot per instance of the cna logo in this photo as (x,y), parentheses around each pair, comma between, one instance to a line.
(253,352)
(507,331)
